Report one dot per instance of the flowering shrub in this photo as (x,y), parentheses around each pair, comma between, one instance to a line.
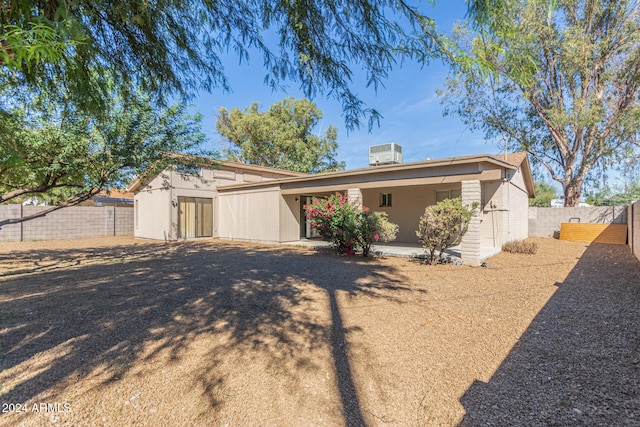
(348,227)
(443,226)
(335,220)
(374,227)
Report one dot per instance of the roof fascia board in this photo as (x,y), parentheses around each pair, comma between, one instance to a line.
(487,175)
(377,170)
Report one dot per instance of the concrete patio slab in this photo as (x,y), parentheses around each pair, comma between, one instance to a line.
(404,250)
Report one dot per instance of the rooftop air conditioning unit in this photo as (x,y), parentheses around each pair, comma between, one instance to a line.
(385,154)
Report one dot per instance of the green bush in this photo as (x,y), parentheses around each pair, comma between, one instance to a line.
(374,227)
(443,226)
(347,226)
(520,247)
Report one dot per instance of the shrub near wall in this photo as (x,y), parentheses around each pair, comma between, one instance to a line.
(69,223)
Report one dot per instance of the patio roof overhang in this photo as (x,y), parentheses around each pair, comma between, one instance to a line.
(430,172)
(487,175)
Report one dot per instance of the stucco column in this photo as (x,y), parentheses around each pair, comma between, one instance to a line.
(355,196)
(470,245)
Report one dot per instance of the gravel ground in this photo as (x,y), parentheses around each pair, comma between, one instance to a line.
(123,332)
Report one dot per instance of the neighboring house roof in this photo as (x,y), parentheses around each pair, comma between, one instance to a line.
(217,163)
(110,196)
(512,162)
(115,193)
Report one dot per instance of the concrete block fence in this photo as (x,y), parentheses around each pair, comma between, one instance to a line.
(67,223)
(544,222)
(634,228)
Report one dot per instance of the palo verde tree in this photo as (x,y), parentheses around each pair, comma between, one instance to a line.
(559,79)
(50,149)
(281,137)
(168,47)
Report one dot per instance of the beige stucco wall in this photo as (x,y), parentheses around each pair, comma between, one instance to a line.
(152,210)
(517,201)
(492,214)
(408,204)
(504,210)
(289,218)
(250,215)
(158,217)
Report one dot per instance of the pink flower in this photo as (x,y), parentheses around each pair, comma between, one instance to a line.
(376,236)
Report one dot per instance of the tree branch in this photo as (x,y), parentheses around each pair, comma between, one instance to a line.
(71,202)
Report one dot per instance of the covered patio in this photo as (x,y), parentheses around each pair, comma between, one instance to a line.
(404,250)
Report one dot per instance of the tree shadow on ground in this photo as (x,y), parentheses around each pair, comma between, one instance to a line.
(578,363)
(104,316)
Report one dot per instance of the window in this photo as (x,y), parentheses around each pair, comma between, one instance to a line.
(447,194)
(385,199)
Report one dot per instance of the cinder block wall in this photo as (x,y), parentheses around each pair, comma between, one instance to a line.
(124,221)
(544,222)
(67,223)
(634,228)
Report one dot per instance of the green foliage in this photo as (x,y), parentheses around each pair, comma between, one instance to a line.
(607,197)
(347,226)
(442,225)
(558,79)
(544,194)
(169,47)
(520,247)
(280,137)
(53,150)
(374,227)
(335,219)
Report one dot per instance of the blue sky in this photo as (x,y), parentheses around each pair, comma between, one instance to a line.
(411,110)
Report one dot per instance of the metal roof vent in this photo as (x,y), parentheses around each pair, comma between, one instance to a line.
(385,154)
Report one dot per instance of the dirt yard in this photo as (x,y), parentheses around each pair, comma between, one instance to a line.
(120,332)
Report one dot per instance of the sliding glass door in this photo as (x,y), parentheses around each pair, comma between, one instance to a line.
(195,218)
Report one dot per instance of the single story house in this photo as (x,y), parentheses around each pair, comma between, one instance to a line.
(237,201)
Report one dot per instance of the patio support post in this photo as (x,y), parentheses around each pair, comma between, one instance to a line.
(470,245)
(355,196)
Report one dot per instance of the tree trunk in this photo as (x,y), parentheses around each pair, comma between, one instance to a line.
(572,194)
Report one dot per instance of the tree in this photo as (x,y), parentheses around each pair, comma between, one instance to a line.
(559,79)
(281,137)
(50,149)
(544,194)
(169,47)
(605,196)
(442,225)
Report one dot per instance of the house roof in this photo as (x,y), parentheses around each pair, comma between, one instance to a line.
(521,159)
(512,162)
(115,193)
(216,163)
(514,158)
